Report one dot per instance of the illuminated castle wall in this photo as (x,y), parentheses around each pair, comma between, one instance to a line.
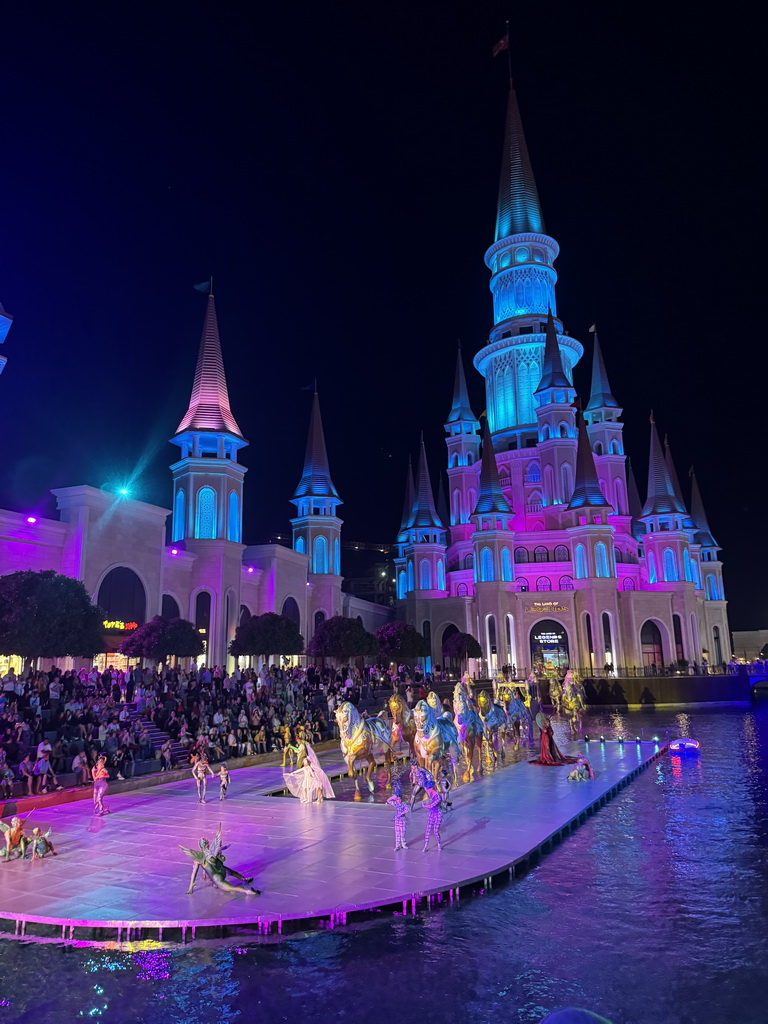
(545,553)
(204,573)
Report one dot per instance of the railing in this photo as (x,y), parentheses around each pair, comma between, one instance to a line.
(663,671)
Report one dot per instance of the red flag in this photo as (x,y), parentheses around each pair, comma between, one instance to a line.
(503,44)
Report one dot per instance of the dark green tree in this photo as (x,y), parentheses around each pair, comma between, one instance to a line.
(461,647)
(47,615)
(160,639)
(265,635)
(342,638)
(399,641)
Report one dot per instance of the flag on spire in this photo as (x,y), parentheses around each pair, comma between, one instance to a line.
(501,46)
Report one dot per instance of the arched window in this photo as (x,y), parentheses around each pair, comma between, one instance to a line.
(401,584)
(170,607)
(469,561)
(319,620)
(563,430)
(440,574)
(717,645)
(650,645)
(687,570)
(291,611)
(545,432)
(205,517)
(543,583)
(425,575)
(521,555)
(506,564)
(456,512)
(677,631)
(629,583)
(711,589)
(566,477)
(533,475)
(409,581)
(122,597)
(336,558)
(233,517)
(203,614)
(671,574)
(652,577)
(562,554)
(522,585)
(602,567)
(179,511)
(566,583)
(540,554)
(486,565)
(580,562)
(615,448)
(607,638)
(299,545)
(320,555)
(534,502)
(599,449)
(696,573)
(470,458)
(462,590)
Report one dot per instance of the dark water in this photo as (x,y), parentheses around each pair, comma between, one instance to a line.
(653,911)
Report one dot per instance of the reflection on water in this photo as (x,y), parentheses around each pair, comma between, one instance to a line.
(653,912)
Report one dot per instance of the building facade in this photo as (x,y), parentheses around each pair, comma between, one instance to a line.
(546,553)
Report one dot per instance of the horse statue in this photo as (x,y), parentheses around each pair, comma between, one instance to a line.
(361,740)
(434,702)
(494,723)
(436,738)
(403,723)
(470,729)
(556,693)
(574,700)
(519,718)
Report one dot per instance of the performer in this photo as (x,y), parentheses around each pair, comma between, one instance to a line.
(210,857)
(444,789)
(549,753)
(401,809)
(431,803)
(41,843)
(419,780)
(309,782)
(100,777)
(200,772)
(223,782)
(15,838)
(582,772)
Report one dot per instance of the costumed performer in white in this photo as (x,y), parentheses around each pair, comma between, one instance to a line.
(309,782)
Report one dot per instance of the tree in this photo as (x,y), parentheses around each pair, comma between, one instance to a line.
(47,615)
(342,638)
(399,641)
(267,634)
(160,639)
(461,646)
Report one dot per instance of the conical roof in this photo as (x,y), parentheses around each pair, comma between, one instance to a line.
(661,498)
(316,478)
(586,489)
(552,372)
(410,494)
(443,513)
(519,209)
(209,405)
(635,505)
(600,396)
(423,512)
(703,535)
(672,472)
(460,408)
(490,497)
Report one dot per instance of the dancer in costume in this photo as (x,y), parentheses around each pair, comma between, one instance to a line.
(309,782)
(41,844)
(210,857)
(549,753)
(15,838)
(419,779)
(444,789)
(582,772)
(200,772)
(432,803)
(223,782)
(401,809)
(100,777)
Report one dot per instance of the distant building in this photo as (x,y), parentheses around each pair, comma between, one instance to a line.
(750,644)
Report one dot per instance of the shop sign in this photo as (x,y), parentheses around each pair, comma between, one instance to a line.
(546,607)
(118,626)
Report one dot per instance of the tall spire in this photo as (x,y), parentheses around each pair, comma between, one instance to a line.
(443,514)
(699,516)
(460,408)
(410,494)
(601,396)
(423,512)
(490,497)
(587,492)
(635,505)
(661,498)
(672,472)
(209,405)
(552,372)
(519,210)
(316,478)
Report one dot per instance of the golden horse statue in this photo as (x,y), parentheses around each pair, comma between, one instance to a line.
(495,724)
(361,740)
(470,729)
(403,723)
(436,738)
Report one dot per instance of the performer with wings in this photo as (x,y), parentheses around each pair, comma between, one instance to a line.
(41,843)
(15,838)
(210,857)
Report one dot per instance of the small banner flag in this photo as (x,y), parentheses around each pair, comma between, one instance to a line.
(309,387)
(593,329)
(501,46)
(204,287)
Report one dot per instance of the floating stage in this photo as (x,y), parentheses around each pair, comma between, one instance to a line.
(123,877)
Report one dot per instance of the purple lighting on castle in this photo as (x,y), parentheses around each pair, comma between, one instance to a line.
(250,568)
(174,551)
(31,519)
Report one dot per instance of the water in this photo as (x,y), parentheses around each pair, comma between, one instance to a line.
(653,911)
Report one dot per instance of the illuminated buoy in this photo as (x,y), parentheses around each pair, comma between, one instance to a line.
(684,746)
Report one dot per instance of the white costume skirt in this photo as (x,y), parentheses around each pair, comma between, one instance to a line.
(307,781)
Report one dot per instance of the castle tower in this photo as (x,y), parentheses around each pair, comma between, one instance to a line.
(521,261)
(402,536)
(606,435)
(422,552)
(208,495)
(714,631)
(556,417)
(5,326)
(463,443)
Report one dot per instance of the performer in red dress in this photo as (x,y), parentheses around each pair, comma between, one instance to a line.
(549,754)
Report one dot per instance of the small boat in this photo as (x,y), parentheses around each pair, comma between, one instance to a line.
(684,746)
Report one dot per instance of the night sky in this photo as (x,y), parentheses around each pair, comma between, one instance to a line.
(334,166)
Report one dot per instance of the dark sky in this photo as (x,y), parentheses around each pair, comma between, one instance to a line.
(334,166)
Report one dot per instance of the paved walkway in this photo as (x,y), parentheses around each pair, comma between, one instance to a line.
(311,861)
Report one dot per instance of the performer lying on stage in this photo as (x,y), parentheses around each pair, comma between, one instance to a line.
(14,837)
(210,857)
(582,772)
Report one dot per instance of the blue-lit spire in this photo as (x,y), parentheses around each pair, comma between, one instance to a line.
(635,505)
(518,211)
(410,493)
(316,479)
(668,461)
(601,396)
(661,499)
(586,489)
(490,496)
(423,512)
(461,410)
(552,372)
(703,535)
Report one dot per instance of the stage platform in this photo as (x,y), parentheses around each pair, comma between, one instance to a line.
(123,877)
